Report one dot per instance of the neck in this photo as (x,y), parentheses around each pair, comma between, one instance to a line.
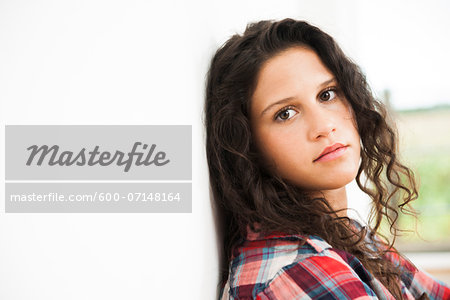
(337,199)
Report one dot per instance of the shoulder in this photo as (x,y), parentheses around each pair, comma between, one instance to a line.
(292,266)
(418,282)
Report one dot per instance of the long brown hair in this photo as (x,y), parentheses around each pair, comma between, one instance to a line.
(245,192)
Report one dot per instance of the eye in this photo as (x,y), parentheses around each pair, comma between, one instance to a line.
(327,95)
(285,114)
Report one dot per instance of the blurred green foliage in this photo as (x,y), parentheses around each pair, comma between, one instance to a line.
(433,203)
(425,148)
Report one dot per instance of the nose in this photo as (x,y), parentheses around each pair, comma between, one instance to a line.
(322,124)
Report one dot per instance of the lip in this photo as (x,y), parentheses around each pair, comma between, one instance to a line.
(332,152)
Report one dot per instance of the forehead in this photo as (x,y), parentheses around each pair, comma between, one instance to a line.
(293,71)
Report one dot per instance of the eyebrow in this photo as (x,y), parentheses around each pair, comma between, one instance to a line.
(284,100)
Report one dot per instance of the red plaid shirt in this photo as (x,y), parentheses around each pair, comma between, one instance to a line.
(277,267)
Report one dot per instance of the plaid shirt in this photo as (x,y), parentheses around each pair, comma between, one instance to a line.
(277,267)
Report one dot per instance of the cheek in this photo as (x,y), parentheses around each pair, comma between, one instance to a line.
(282,148)
(270,145)
(353,129)
(349,114)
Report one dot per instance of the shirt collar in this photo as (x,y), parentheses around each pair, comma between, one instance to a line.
(316,242)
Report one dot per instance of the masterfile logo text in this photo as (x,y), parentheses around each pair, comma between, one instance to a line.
(68,158)
(58,168)
(98,152)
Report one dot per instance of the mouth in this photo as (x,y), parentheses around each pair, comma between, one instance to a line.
(332,152)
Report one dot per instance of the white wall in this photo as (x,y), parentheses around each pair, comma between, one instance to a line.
(404,46)
(126,62)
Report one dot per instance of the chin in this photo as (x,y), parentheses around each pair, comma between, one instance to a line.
(334,182)
(337,185)
(323,185)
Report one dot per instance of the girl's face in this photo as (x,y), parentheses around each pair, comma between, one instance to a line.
(302,123)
